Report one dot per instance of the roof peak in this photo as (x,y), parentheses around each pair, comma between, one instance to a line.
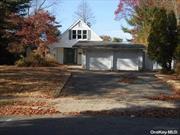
(76,22)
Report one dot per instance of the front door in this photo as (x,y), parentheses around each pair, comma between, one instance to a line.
(69,56)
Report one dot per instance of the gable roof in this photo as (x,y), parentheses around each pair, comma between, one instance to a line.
(75,23)
(110,45)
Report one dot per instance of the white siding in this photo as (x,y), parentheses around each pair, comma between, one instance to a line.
(67,43)
(151,65)
(84,59)
(79,56)
(59,53)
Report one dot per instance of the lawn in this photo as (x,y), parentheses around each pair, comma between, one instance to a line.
(24,90)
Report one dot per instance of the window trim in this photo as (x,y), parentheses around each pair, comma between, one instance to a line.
(79,34)
(74,36)
(84,34)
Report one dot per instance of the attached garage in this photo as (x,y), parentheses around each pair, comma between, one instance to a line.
(128,59)
(99,60)
(111,56)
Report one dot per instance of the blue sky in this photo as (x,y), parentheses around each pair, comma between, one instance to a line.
(103,10)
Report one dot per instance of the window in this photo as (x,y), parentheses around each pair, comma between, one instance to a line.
(79,34)
(84,34)
(74,34)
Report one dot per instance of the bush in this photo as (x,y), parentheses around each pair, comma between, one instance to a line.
(35,60)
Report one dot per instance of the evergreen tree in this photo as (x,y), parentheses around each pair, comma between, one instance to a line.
(140,22)
(172,36)
(163,38)
(10,12)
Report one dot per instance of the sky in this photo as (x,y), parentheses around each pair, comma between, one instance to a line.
(103,10)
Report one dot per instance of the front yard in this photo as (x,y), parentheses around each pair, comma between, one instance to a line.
(28,91)
(34,91)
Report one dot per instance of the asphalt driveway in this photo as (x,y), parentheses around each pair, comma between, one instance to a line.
(114,84)
(97,91)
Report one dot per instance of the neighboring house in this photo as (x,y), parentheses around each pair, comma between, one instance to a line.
(79,44)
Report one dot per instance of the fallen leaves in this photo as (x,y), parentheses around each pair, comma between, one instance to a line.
(27,108)
(43,80)
(163,97)
(129,78)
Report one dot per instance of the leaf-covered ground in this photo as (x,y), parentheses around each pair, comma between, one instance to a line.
(31,91)
(28,91)
(27,108)
(174,82)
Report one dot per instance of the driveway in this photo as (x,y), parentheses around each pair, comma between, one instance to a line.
(98,91)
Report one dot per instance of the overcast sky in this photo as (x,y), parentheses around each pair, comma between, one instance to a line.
(105,23)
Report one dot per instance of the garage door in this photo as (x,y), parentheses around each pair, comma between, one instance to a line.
(100,60)
(127,61)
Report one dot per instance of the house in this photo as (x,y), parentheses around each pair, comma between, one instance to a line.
(64,51)
(79,44)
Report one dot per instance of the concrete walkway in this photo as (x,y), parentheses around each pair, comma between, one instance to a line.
(98,91)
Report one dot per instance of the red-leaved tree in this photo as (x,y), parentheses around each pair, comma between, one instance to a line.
(40,30)
(126,7)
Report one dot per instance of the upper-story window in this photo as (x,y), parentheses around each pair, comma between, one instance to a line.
(74,34)
(79,34)
(84,34)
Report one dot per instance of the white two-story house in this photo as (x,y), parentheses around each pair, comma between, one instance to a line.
(64,51)
(79,44)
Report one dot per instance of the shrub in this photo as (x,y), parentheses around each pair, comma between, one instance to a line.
(35,60)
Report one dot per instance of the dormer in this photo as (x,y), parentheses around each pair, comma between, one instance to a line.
(81,34)
(81,31)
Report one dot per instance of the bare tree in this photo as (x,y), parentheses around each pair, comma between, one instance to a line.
(85,13)
(37,5)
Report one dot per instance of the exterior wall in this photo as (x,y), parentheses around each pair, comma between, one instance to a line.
(84,59)
(79,56)
(65,42)
(58,54)
(107,59)
(151,65)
